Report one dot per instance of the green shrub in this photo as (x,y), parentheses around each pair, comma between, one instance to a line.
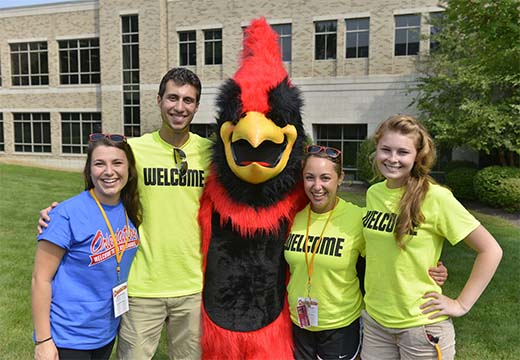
(492,188)
(511,190)
(457,164)
(460,181)
(364,161)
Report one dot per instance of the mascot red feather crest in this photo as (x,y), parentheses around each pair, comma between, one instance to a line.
(248,204)
(262,68)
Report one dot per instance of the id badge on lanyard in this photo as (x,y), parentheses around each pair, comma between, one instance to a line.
(307,310)
(120,299)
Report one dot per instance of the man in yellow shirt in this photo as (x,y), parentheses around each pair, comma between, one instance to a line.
(165,280)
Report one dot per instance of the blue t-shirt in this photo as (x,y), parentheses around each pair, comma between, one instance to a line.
(82,312)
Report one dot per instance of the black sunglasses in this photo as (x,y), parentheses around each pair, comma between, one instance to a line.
(99,136)
(179,156)
(331,152)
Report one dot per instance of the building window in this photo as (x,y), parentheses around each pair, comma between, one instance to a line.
(187,48)
(75,128)
(325,38)
(32,132)
(348,139)
(285,40)
(357,37)
(2,143)
(131,95)
(213,47)
(79,61)
(204,130)
(407,34)
(29,63)
(435,28)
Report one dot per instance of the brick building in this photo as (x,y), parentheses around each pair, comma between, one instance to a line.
(68,69)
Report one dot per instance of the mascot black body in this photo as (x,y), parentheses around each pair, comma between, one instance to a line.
(248,204)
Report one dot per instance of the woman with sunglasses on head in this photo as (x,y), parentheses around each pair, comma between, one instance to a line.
(79,277)
(408,217)
(322,250)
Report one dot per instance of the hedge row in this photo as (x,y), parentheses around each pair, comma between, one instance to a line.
(460,181)
(499,186)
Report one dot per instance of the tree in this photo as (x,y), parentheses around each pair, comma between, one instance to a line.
(468,90)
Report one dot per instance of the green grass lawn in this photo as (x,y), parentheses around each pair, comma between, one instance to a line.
(489,331)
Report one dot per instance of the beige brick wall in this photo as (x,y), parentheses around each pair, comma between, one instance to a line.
(50,24)
(351,90)
(232,15)
(355,67)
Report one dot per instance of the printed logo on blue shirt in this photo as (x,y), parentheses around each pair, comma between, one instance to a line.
(102,247)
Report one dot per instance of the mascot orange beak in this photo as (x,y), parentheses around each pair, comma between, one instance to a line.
(256,148)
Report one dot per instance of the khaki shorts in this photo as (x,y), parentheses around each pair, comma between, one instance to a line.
(381,343)
(141,326)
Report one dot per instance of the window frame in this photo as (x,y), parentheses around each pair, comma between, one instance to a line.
(78,56)
(343,137)
(187,48)
(213,47)
(408,30)
(357,33)
(434,30)
(284,40)
(329,37)
(204,130)
(131,96)
(23,71)
(27,123)
(78,126)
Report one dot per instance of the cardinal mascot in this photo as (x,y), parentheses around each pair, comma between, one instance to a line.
(249,200)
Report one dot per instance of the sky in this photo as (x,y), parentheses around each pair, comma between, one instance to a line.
(14,3)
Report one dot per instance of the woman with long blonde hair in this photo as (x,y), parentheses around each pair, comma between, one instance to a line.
(407,218)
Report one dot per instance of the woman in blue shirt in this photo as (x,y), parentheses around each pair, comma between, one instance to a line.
(79,278)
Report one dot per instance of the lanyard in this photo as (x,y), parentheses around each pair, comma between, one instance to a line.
(310,266)
(119,254)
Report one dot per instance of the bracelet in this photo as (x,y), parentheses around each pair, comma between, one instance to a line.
(42,341)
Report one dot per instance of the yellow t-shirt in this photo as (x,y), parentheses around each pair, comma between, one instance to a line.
(396,279)
(169,261)
(334,281)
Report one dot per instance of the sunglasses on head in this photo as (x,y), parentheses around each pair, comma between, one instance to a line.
(179,156)
(99,136)
(331,152)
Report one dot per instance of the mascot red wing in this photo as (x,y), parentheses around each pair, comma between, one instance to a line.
(248,204)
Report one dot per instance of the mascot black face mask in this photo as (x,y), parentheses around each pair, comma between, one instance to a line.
(248,204)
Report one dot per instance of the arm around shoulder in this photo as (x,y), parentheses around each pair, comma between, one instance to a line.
(44,217)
